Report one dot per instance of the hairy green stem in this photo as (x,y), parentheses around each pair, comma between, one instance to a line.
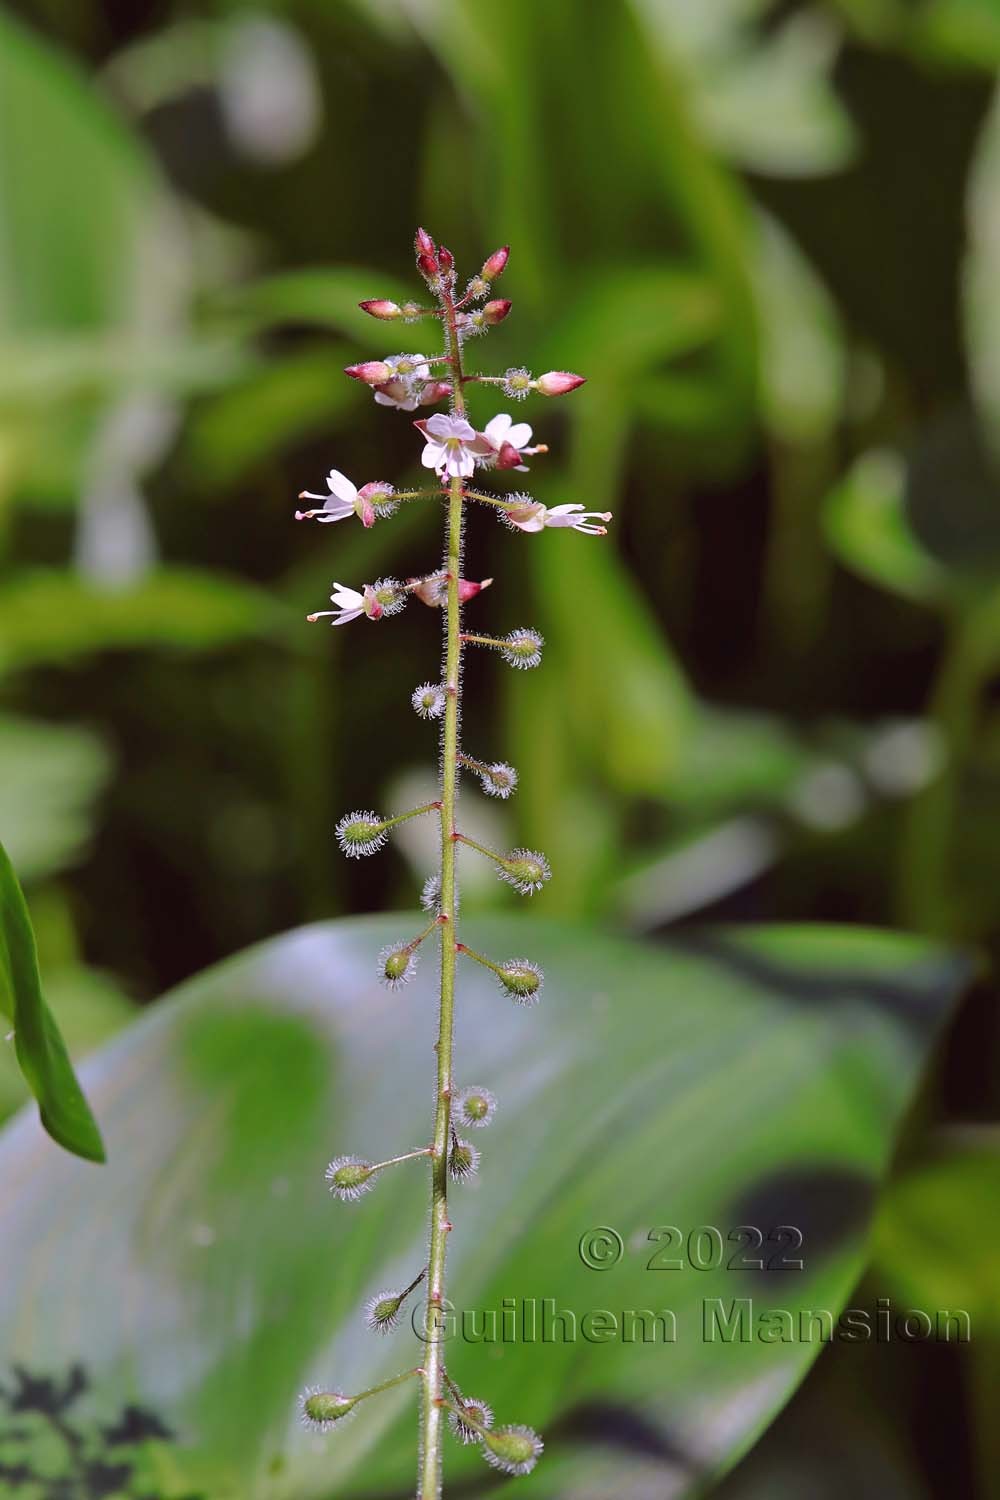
(431,1414)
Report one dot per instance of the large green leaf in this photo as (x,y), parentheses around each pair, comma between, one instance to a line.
(41,1051)
(750,1077)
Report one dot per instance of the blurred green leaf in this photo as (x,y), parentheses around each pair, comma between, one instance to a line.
(245,426)
(938,1226)
(50,775)
(41,1051)
(867,527)
(49,617)
(756,1076)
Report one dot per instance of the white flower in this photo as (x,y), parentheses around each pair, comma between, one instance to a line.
(501,431)
(349,604)
(343,500)
(452,445)
(409,372)
(530,515)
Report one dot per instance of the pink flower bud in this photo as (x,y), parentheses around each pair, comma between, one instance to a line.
(378,307)
(423,244)
(434,390)
(446,261)
(558,382)
(468,590)
(372,372)
(495,312)
(492,267)
(508,457)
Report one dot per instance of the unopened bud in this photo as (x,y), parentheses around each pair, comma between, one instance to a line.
(475,1106)
(378,307)
(468,590)
(372,372)
(521,980)
(319,1410)
(495,312)
(526,870)
(512,1450)
(558,383)
(349,1177)
(522,648)
(478,1411)
(463,1160)
(495,264)
(446,261)
(426,253)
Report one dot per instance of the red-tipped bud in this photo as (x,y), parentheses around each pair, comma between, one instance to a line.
(492,267)
(446,260)
(434,390)
(372,372)
(558,383)
(426,254)
(468,590)
(509,457)
(378,307)
(495,312)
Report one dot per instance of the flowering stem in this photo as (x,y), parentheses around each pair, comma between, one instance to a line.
(483,640)
(431,1424)
(414,944)
(508,504)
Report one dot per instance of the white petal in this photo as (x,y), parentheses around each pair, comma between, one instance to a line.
(346,598)
(519,435)
(348,614)
(496,428)
(440,425)
(433,455)
(341,486)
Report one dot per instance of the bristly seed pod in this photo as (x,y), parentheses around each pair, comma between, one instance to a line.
(382,1311)
(498,779)
(360,833)
(397,964)
(475,1106)
(522,648)
(349,1177)
(526,870)
(319,1409)
(463,1160)
(480,1412)
(516,383)
(428,700)
(521,979)
(512,1450)
(389,595)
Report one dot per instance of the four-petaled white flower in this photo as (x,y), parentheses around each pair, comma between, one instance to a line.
(404,390)
(453,445)
(344,500)
(530,515)
(349,604)
(508,440)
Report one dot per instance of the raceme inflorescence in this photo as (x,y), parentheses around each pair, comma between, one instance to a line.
(455,452)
